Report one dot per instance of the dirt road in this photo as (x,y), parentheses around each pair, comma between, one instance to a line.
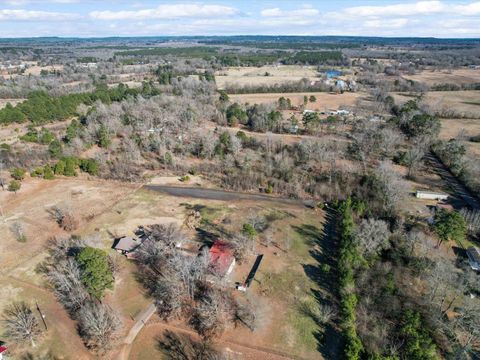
(222,195)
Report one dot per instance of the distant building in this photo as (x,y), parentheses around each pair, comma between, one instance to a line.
(222,260)
(126,245)
(430,195)
(473,255)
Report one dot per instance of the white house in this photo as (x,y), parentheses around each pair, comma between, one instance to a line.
(430,195)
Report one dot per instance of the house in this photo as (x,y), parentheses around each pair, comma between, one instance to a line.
(222,260)
(473,254)
(430,195)
(126,245)
(3,349)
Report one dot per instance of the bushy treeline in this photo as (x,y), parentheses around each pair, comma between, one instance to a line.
(41,108)
(317,58)
(303,85)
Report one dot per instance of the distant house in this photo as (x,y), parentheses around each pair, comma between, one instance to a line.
(474,257)
(430,195)
(222,260)
(126,245)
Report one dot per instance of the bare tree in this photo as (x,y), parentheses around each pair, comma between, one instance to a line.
(99,326)
(183,347)
(20,323)
(18,231)
(64,217)
(371,236)
(212,312)
(66,278)
(393,186)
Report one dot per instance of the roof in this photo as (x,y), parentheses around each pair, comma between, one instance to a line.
(126,243)
(221,257)
(3,349)
(430,192)
(473,254)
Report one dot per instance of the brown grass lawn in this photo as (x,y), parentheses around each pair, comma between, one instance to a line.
(325,101)
(456,76)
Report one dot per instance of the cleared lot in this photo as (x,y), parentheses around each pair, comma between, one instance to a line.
(456,76)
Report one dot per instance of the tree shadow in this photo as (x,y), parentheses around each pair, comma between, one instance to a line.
(324,250)
(183,347)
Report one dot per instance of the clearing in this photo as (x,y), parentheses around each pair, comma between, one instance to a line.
(264,75)
(325,101)
(456,76)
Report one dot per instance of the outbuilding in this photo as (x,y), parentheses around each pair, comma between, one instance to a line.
(430,195)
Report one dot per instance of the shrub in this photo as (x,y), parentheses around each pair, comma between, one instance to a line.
(48,173)
(249,230)
(55,148)
(14,186)
(185,178)
(38,172)
(18,173)
(59,168)
(90,166)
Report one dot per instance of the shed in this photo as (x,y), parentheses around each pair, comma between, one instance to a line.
(222,260)
(430,195)
(473,255)
(126,244)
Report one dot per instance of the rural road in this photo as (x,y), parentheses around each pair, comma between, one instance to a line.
(459,189)
(140,323)
(215,194)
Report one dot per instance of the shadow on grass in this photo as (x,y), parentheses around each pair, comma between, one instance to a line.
(182,347)
(324,249)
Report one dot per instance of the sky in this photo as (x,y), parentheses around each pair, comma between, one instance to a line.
(89,18)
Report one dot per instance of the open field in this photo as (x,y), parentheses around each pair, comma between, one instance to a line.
(451,128)
(324,101)
(450,103)
(241,76)
(456,76)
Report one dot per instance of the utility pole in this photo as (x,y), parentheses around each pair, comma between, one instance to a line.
(41,315)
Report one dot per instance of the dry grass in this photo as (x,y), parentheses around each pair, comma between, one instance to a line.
(325,101)
(240,76)
(459,103)
(457,76)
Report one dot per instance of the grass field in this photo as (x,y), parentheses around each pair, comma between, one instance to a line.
(456,76)
(325,101)
(457,103)
(241,76)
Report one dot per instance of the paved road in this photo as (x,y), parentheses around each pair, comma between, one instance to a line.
(222,195)
(460,190)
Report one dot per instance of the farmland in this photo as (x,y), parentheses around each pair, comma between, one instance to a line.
(239,198)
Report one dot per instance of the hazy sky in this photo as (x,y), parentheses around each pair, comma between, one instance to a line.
(129,18)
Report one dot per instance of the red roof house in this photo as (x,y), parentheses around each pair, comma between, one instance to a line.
(2,350)
(222,260)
